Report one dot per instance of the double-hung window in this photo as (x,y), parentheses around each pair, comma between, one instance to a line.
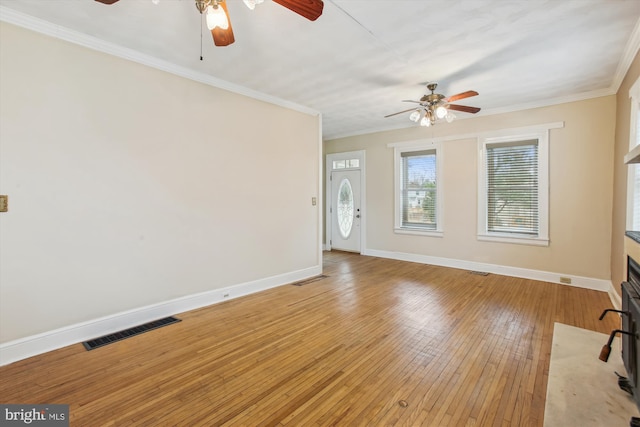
(513,188)
(418,192)
(633,184)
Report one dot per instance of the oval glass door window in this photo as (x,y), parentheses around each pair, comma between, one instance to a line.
(345,208)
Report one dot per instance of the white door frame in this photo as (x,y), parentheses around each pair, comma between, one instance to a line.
(330,158)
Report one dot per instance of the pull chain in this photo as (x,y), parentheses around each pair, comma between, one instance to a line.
(201,24)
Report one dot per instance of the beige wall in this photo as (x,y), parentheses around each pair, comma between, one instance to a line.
(581,178)
(129,186)
(623,112)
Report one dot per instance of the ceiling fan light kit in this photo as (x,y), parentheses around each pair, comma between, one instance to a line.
(435,107)
(218,21)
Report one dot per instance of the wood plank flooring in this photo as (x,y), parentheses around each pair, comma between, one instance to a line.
(378,342)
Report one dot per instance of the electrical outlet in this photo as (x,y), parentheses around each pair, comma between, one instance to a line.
(565,280)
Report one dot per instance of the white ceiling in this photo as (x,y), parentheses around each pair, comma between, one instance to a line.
(362,57)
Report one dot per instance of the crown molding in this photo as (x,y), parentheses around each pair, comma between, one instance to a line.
(549,102)
(629,54)
(28,22)
(630,51)
(47,28)
(490,112)
(369,131)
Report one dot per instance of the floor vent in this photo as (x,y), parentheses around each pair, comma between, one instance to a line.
(479,273)
(127,333)
(311,280)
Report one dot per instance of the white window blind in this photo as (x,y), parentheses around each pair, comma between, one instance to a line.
(418,189)
(634,169)
(512,187)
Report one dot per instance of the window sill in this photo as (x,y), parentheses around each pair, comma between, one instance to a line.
(519,240)
(418,232)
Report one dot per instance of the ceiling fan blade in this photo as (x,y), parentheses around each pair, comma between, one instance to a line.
(223,37)
(107,1)
(400,112)
(462,95)
(464,108)
(310,9)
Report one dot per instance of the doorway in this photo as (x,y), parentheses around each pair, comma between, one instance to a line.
(345,201)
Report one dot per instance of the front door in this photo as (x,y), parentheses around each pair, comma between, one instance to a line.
(345,210)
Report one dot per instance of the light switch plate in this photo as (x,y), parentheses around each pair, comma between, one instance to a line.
(4,203)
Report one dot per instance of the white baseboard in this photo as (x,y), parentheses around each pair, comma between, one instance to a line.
(22,348)
(615,298)
(525,273)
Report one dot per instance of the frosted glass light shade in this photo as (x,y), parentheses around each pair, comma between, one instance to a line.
(441,112)
(415,116)
(216,18)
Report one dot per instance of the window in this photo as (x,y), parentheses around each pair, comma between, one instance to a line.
(418,190)
(344,208)
(513,189)
(346,163)
(633,183)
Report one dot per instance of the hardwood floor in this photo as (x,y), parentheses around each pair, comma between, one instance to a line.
(377,342)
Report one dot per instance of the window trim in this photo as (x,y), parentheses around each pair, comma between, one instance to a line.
(415,146)
(542,239)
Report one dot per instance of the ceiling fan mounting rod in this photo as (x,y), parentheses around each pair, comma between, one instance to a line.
(431,99)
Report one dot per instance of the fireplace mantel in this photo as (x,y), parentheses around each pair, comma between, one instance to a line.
(633,235)
(632,245)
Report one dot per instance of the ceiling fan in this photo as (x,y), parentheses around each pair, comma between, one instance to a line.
(218,16)
(435,106)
